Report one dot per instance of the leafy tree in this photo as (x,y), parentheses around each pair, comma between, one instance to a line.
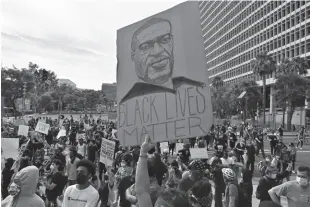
(290,89)
(263,65)
(13,82)
(217,82)
(249,102)
(291,85)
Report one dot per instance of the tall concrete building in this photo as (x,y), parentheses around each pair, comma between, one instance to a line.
(234,32)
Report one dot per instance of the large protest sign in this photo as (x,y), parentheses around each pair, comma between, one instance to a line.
(107,152)
(23,130)
(18,122)
(163,146)
(162,80)
(10,147)
(42,128)
(199,153)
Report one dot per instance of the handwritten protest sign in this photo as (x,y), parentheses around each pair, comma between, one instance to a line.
(61,133)
(23,130)
(10,147)
(162,88)
(199,153)
(178,146)
(164,145)
(42,128)
(107,152)
(18,122)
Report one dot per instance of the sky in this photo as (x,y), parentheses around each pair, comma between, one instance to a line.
(74,38)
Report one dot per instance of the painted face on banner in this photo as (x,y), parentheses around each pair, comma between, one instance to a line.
(153,52)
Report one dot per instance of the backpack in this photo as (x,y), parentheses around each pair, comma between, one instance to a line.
(241,195)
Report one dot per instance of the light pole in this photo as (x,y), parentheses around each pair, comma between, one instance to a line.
(23,98)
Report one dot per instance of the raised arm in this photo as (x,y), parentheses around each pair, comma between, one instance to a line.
(142,176)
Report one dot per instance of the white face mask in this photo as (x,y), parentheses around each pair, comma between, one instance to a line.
(302,181)
(52,167)
(123,164)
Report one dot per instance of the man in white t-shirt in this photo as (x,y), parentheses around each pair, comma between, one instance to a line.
(82,194)
(227,161)
(297,192)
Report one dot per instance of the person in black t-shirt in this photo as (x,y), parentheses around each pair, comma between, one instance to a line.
(6,177)
(124,184)
(56,184)
(184,153)
(91,151)
(273,142)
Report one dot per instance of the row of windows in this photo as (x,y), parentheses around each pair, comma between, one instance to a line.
(208,23)
(288,52)
(239,79)
(272,44)
(254,18)
(217,27)
(286,24)
(290,7)
(206,11)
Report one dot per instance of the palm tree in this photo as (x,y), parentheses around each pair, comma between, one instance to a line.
(217,82)
(262,66)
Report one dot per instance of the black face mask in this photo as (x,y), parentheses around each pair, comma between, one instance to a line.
(81,179)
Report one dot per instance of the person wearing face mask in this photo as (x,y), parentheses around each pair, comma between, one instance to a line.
(197,168)
(83,194)
(125,169)
(270,180)
(22,189)
(56,183)
(262,165)
(297,192)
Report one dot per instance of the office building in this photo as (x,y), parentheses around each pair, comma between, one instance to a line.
(234,32)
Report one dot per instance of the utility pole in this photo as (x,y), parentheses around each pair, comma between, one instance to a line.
(23,98)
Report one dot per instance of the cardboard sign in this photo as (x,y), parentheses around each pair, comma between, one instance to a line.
(107,152)
(61,133)
(164,145)
(178,146)
(10,147)
(199,153)
(42,128)
(23,130)
(162,88)
(18,122)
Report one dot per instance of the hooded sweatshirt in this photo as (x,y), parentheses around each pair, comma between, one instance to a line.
(28,177)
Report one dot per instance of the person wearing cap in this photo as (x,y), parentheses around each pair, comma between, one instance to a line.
(271,179)
(196,172)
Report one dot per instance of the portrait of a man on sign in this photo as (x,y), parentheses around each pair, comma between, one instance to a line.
(152,55)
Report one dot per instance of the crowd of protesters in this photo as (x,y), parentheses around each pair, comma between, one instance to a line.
(66,171)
